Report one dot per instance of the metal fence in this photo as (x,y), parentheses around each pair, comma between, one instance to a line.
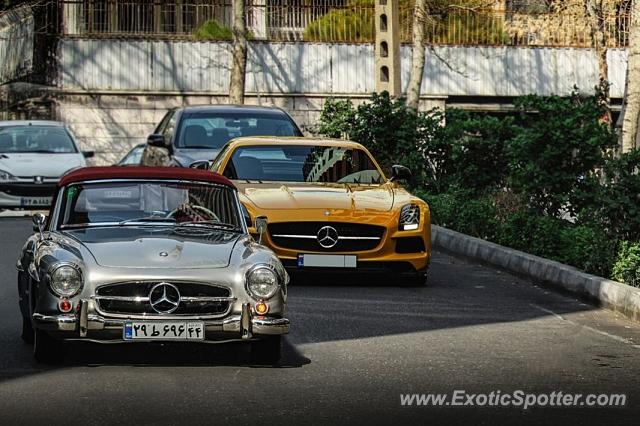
(508,22)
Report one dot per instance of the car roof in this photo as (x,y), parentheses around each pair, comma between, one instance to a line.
(31,122)
(232,108)
(293,140)
(134,172)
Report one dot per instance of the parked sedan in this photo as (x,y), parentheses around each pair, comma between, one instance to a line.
(329,206)
(137,254)
(33,156)
(195,134)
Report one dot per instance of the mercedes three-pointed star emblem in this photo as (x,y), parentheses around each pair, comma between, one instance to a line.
(327,237)
(164,298)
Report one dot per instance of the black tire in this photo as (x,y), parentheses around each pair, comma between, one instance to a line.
(46,349)
(267,351)
(27,331)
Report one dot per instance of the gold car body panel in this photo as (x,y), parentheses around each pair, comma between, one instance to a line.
(326,202)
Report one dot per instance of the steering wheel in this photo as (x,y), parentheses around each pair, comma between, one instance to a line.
(210,215)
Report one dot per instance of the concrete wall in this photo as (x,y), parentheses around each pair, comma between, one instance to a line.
(113,92)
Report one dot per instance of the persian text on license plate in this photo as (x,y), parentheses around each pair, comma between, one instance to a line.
(163,330)
(35,201)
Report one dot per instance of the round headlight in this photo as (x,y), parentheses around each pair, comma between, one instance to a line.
(66,281)
(262,283)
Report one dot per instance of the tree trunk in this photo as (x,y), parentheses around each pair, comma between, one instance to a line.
(418,58)
(595,14)
(239,55)
(630,115)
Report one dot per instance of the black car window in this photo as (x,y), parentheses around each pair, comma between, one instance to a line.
(295,163)
(169,129)
(36,139)
(164,121)
(213,129)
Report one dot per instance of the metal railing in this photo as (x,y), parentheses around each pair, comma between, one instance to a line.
(348,21)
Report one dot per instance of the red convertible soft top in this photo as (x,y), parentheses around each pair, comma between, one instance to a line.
(126,172)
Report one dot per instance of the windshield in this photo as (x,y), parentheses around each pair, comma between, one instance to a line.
(149,203)
(36,139)
(294,163)
(211,130)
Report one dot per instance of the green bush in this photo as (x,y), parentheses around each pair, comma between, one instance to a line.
(456,210)
(351,24)
(449,25)
(587,247)
(559,145)
(214,30)
(616,202)
(627,266)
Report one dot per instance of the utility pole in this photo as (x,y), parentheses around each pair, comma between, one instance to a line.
(388,48)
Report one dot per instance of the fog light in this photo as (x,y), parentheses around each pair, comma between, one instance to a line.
(64,305)
(262,308)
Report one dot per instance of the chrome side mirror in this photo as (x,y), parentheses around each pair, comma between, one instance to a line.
(201,165)
(261,227)
(39,220)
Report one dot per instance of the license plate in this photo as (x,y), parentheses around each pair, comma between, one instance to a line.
(163,330)
(327,261)
(35,201)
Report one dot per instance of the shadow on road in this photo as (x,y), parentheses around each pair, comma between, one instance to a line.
(322,308)
(174,354)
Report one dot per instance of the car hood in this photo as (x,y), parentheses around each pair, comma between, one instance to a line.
(186,157)
(293,196)
(157,247)
(39,164)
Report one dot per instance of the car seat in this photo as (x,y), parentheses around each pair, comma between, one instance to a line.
(248,168)
(195,135)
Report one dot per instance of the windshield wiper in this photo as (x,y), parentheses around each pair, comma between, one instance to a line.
(147,219)
(207,223)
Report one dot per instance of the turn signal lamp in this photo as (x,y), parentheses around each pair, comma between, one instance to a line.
(262,308)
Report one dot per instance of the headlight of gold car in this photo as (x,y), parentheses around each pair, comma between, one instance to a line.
(262,282)
(409,217)
(66,280)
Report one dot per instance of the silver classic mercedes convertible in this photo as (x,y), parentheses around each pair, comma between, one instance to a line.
(139,254)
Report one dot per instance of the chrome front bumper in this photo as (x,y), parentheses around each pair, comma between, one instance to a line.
(83,324)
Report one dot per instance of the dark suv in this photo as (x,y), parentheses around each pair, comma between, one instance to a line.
(190,135)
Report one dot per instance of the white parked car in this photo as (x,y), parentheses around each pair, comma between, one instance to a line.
(33,156)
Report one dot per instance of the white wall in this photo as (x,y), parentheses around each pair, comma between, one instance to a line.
(309,68)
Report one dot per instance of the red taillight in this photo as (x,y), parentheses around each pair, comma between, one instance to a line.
(64,305)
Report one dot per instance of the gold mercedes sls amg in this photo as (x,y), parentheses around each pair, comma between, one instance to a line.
(326,205)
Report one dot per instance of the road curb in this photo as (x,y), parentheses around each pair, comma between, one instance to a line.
(610,294)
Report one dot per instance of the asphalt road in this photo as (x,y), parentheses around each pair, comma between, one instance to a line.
(355,347)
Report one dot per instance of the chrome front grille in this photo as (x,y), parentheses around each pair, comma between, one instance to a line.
(303,236)
(132,298)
